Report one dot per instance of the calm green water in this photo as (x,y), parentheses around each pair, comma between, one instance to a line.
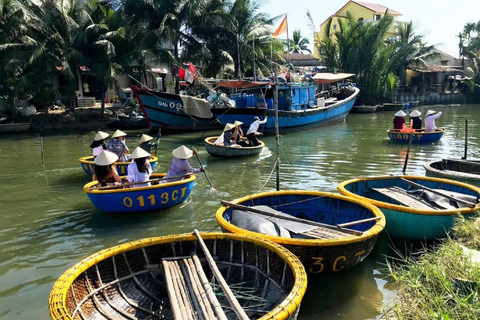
(48,223)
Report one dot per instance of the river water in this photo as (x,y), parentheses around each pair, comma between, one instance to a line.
(48,223)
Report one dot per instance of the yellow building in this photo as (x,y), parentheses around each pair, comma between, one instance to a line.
(364,11)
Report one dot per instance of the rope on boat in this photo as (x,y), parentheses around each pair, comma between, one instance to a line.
(269,176)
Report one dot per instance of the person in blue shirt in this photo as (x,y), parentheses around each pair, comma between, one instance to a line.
(118,146)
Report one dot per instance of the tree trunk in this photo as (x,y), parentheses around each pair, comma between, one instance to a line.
(102,104)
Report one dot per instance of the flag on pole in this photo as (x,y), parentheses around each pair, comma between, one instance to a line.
(282,28)
(192,68)
(181,73)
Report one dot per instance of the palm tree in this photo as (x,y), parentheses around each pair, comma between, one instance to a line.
(298,44)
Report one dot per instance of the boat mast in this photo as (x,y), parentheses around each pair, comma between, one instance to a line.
(277,142)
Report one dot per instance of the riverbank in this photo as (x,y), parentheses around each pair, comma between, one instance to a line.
(443,282)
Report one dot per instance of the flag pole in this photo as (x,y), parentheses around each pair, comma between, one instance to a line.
(288,43)
(254,73)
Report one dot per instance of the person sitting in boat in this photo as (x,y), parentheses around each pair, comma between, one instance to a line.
(220,139)
(140,169)
(399,120)
(228,136)
(430,120)
(104,170)
(98,145)
(252,130)
(146,143)
(238,137)
(415,120)
(118,146)
(180,166)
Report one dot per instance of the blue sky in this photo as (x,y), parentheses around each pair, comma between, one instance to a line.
(439,21)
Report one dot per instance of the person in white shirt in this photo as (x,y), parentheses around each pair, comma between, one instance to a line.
(430,120)
(140,169)
(98,145)
(252,131)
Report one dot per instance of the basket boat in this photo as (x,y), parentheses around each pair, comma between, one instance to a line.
(87,165)
(412,205)
(320,241)
(139,199)
(222,151)
(418,136)
(134,280)
(467,171)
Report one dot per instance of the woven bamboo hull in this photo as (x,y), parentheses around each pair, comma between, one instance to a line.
(458,170)
(393,106)
(87,165)
(221,151)
(317,255)
(418,137)
(128,282)
(140,199)
(408,222)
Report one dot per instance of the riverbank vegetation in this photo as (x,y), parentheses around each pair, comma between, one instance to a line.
(443,282)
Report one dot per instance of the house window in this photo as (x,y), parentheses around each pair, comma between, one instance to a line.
(376,17)
(334,27)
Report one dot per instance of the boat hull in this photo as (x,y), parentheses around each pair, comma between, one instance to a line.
(14,127)
(393,106)
(458,170)
(317,255)
(408,222)
(88,164)
(167,111)
(418,137)
(140,199)
(288,121)
(221,151)
(364,109)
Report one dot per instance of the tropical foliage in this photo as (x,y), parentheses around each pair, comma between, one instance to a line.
(298,44)
(469,46)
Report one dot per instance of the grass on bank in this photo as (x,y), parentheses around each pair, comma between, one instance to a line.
(443,282)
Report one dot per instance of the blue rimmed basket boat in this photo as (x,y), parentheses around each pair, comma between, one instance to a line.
(87,165)
(467,171)
(221,151)
(139,199)
(131,281)
(410,217)
(325,247)
(418,136)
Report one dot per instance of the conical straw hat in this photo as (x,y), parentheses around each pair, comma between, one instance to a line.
(415,113)
(400,114)
(100,136)
(105,158)
(139,153)
(228,127)
(429,112)
(182,152)
(237,123)
(144,138)
(118,133)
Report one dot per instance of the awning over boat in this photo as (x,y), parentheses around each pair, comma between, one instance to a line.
(237,84)
(197,107)
(325,77)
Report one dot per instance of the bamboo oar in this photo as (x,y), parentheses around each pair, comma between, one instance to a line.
(466,140)
(408,152)
(203,169)
(136,183)
(439,193)
(352,223)
(291,218)
(218,275)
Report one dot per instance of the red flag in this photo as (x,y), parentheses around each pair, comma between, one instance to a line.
(181,73)
(282,28)
(192,68)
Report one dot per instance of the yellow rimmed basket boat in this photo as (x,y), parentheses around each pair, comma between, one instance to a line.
(87,165)
(328,232)
(154,278)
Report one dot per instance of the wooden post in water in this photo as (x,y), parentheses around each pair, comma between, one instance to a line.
(466,140)
(277,142)
(408,152)
(41,149)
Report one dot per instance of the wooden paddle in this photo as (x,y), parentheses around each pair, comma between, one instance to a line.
(291,218)
(466,140)
(439,193)
(159,135)
(203,169)
(136,183)
(408,152)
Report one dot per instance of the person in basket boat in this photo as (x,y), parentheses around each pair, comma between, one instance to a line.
(146,143)
(104,170)
(238,138)
(140,169)
(252,130)
(98,145)
(399,120)
(415,120)
(118,145)
(180,165)
(430,120)
(226,132)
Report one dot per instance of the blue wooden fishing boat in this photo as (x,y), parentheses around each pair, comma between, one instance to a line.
(328,232)
(418,136)
(222,151)
(201,276)
(139,199)
(173,112)
(88,164)
(415,207)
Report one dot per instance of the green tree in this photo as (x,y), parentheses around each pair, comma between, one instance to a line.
(298,44)
(469,47)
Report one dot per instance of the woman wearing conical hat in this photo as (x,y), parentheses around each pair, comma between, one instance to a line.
(399,120)
(180,165)
(104,170)
(430,120)
(415,120)
(140,169)
(98,145)
(118,145)
(146,143)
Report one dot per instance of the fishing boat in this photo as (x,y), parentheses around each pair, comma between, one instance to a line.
(467,171)
(222,151)
(88,164)
(419,136)
(328,232)
(364,109)
(160,195)
(201,276)
(393,106)
(299,107)
(174,112)
(415,207)
(15,127)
